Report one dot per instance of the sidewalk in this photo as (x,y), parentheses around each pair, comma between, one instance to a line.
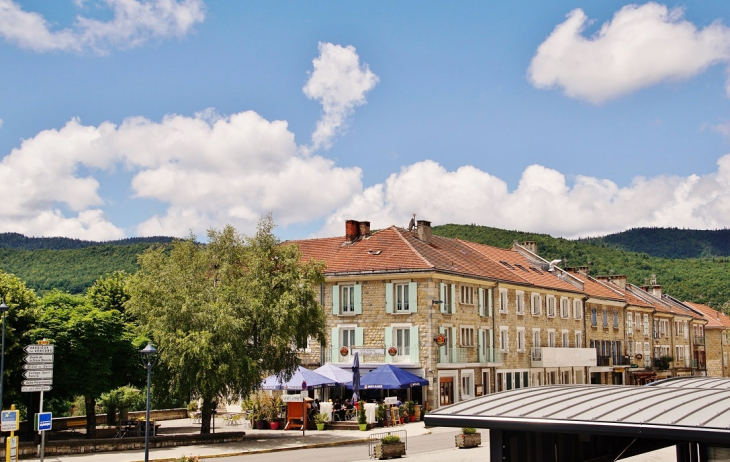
(255,441)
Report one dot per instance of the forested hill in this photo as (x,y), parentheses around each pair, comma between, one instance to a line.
(669,242)
(701,280)
(18,241)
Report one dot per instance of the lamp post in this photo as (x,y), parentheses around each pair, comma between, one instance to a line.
(149,356)
(4,309)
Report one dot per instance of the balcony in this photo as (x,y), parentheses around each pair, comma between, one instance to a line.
(453,355)
(369,355)
(563,357)
(614,361)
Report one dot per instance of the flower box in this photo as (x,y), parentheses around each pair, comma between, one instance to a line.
(386,451)
(468,441)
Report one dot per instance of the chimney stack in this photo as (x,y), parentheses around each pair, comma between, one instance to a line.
(364,229)
(423,229)
(617,280)
(531,246)
(583,270)
(352,231)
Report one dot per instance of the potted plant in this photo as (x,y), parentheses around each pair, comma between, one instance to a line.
(411,411)
(273,411)
(403,412)
(361,419)
(390,446)
(320,419)
(256,405)
(380,414)
(469,438)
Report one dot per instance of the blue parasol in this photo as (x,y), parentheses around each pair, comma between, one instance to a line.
(356,377)
(301,374)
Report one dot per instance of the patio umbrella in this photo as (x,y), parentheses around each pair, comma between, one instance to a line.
(302,374)
(335,373)
(356,377)
(389,377)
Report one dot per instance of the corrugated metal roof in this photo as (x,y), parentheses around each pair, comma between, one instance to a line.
(717,383)
(677,411)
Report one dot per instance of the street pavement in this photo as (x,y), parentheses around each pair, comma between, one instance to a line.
(328,445)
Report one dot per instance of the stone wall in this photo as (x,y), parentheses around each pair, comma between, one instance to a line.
(714,352)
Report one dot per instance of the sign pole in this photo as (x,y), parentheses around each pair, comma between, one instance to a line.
(42,449)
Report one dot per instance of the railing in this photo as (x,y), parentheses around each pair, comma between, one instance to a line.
(490,355)
(699,340)
(562,357)
(371,355)
(452,355)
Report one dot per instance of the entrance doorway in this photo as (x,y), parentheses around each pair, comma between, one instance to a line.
(446,390)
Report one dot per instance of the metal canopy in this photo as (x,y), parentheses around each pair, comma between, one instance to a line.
(684,412)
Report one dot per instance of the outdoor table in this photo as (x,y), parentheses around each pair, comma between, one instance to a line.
(370,410)
(326,408)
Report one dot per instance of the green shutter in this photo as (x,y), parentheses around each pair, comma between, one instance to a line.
(335,299)
(413,297)
(491,347)
(388,343)
(358,298)
(335,348)
(481,301)
(453,299)
(480,345)
(388,297)
(490,301)
(444,302)
(442,330)
(414,344)
(359,336)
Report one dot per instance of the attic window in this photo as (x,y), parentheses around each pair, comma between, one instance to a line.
(506,264)
(523,268)
(536,270)
(374,252)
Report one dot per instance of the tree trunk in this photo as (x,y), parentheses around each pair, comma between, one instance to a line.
(90,417)
(111,416)
(206,412)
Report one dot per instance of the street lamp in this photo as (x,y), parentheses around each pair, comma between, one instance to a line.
(4,309)
(149,357)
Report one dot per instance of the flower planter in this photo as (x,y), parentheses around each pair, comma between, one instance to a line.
(363,427)
(274,425)
(386,451)
(320,427)
(262,425)
(411,418)
(468,441)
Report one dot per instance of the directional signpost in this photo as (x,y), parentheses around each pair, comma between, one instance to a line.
(39,377)
(9,422)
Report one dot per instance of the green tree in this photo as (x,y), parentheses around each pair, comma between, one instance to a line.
(109,292)
(226,314)
(95,351)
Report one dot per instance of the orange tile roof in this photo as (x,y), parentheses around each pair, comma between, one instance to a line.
(595,288)
(715,319)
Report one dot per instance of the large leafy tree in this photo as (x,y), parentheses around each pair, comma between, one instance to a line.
(95,350)
(225,314)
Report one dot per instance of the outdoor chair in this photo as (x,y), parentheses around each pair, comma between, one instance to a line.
(350,414)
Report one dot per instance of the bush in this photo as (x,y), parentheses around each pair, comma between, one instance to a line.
(320,418)
(193,406)
(468,431)
(361,418)
(380,413)
(187,459)
(390,439)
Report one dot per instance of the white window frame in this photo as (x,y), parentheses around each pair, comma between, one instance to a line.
(466,336)
(466,384)
(520,302)
(466,294)
(550,303)
(520,339)
(536,337)
(630,323)
(564,308)
(347,293)
(551,338)
(579,339)
(565,338)
(577,308)
(503,301)
(401,289)
(350,328)
(646,325)
(504,338)
(535,304)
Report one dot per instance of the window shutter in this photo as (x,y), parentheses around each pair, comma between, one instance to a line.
(335,342)
(444,302)
(481,301)
(453,298)
(358,298)
(441,349)
(388,343)
(480,345)
(413,297)
(336,299)
(388,297)
(491,347)
(415,356)
(489,302)
(453,339)
(359,336)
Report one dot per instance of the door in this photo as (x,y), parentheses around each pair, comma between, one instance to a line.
(446,390)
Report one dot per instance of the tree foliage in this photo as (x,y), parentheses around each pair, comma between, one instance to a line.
(226,314)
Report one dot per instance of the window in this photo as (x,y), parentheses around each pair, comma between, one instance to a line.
(504,338)
(347,300)
(467,385)
(550,306)
(447,297)
(535,338)
(629,324)
(467,336)
(686,330)
(467,295)
(578,339)
(401,298)
(605,317)
(551,338)
(615,319)
(520,339)
(637,321)
(646,324)
(564,308)
(578,309)
(502,300)
(402,337)
(347,336)
(594,316)
(520,302)
(535,305)
(565,339)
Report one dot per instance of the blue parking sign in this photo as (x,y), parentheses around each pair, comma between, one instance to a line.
(43,421)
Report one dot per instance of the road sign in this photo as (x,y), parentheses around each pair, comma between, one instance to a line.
(35,359)
(11,449)
(32,367)
(36,388)
(39,349)
(38,382)
(44,374)
(43,421)
(9,421)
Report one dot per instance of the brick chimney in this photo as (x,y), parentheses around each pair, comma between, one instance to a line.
(584,270)
(617,280)
(364,229)
(352,231)
(656,290)
(423,228)
(531,246)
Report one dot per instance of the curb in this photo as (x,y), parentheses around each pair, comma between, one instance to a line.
(266,451)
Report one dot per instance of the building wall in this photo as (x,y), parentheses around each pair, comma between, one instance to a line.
(714,352)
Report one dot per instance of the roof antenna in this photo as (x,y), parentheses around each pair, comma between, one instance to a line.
(412,224)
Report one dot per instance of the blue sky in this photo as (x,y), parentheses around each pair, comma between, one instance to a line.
(143,117)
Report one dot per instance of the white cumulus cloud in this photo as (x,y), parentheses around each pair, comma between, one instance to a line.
(339,82)
(640,47)
(133,23)
(542,202)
